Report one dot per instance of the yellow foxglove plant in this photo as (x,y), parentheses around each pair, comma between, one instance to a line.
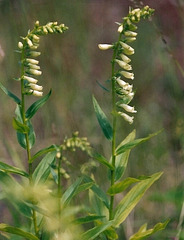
(44,203)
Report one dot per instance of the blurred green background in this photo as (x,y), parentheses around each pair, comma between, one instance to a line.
(73,65)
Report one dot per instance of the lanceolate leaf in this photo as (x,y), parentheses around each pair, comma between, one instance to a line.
(88,219)
(96,231)
(20,127)
(143,233)
(121,186)
(17,231)
(103,121)
(102,160)
(8,168)
(36,105)
(134,143)
(42,171)
(52,148)
(70,192)
(10,94)
(31,136)
(122,159)
(131,199)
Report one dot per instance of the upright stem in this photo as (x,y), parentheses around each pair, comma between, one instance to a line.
(59,193)
(30,168)
(114,120)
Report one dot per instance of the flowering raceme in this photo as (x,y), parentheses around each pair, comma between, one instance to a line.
(124,90)
(28,48)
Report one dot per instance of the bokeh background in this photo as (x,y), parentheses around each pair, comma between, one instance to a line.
(73,67)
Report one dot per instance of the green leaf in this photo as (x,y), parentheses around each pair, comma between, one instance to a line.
(143,233)
(10,94)
(51,148)
(42,171)
(84,187)
(17,231)
(31,136)
(121,186)
(131,199)
(134,143)
(122,159)
(102,160)
(88,219)
(111,233)
(71,191)
(20,127)
(96,231)
(36,105)
(20,206)
(98,192)
(103,121)
(7,168)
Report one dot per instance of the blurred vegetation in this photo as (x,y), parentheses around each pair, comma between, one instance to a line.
(73,66)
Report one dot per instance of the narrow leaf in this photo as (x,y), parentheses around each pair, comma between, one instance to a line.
(31,136)
(98,192)
(121,186)
(10,94)
(70,192)
(88,219)
(52,148)
(42,171)
(102,160)
(20,127)
(96,231)
(7,168)
(17,231)
(144,234)
(36,105)
(122,159)
(103,121)
(134,143)
(131,199)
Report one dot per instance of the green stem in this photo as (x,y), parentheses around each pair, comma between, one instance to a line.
(114,120)
(30,170)
(59,192)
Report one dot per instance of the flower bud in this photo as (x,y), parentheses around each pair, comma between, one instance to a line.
(29,42)
(33,66)
(120,29)
(130,34)
(37,23)
(104,46)
(121,82)
(20,45)
(127,74)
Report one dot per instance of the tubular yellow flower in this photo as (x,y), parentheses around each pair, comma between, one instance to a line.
(126,117)
(125,58)
(105,46)
(36,93)
(130,34)
(29,42)
(36,87)
(127,49)
(32,61)
(121,82)
(33,66)
(124,65)
(128,108)
(34,54)
(30,79)
(127,75)
(34,72)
